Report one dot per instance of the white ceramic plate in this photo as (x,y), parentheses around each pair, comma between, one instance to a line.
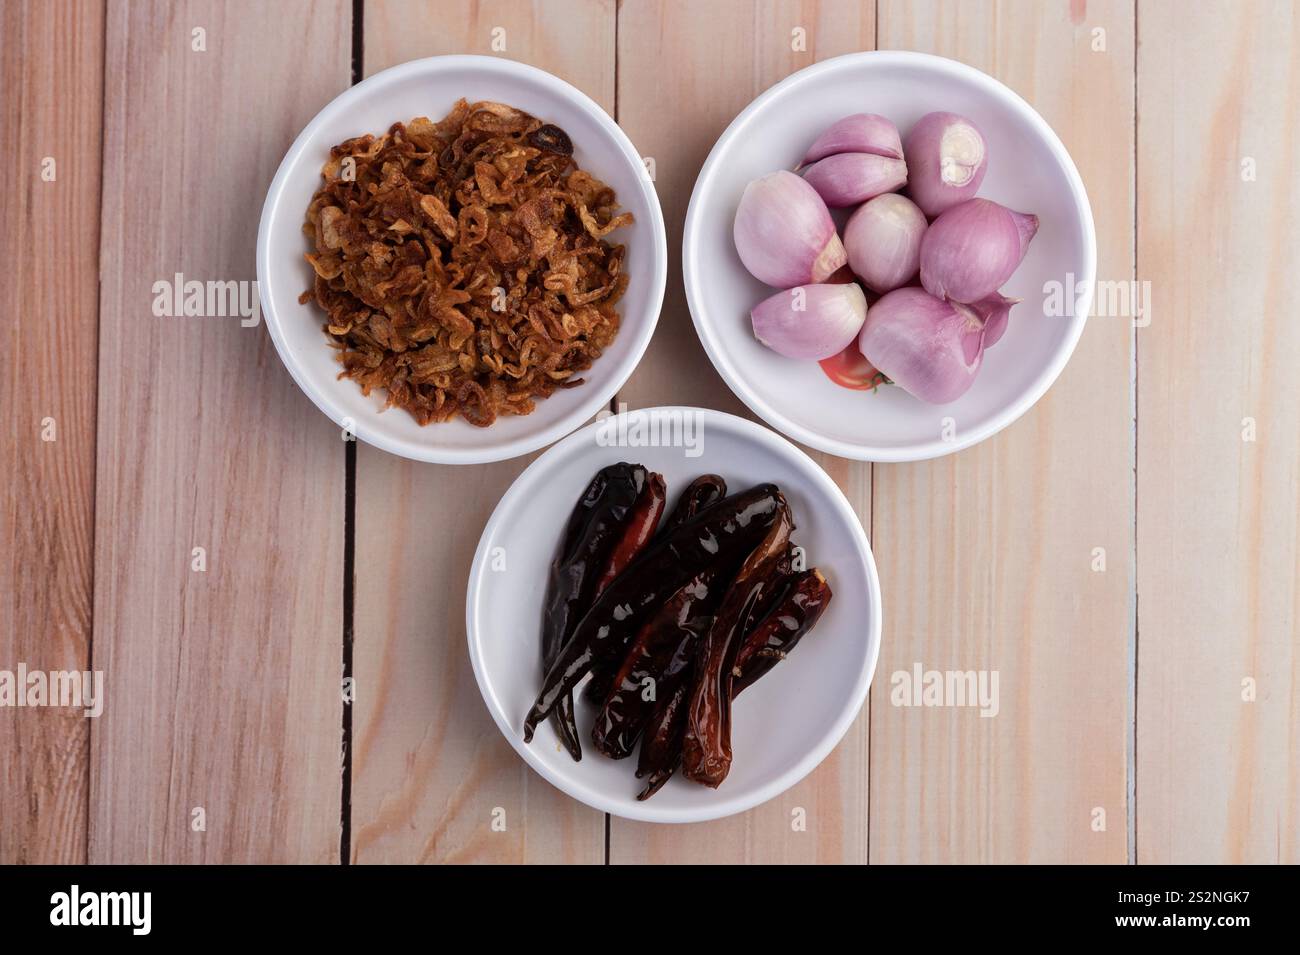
(429,88)
(1029,170)
(786,723)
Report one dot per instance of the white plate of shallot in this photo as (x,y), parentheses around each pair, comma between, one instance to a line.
(889,256)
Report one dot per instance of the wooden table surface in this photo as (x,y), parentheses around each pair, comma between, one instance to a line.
(1124,556)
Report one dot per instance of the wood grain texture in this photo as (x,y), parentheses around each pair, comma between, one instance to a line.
(223,686)
(430,767)
(985,556)
(51,70)
(685,71)
(1218,772)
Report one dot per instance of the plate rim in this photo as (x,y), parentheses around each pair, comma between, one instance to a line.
(725,806)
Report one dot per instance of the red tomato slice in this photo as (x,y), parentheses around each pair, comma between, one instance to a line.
(849,369)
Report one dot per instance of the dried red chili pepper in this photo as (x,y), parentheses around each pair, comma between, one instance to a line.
(775,587)
(637,532)
(733,526)
(800,607)
(661,745)
(781,629)
(594,530)
(706,749)
(670,636)
(705,490)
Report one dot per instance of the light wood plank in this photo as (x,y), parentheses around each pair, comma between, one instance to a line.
(1218,775)
(430,766)
(51,70)
(985,556)
(685,71)
(223,688)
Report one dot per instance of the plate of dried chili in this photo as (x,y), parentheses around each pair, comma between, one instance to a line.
(639,577)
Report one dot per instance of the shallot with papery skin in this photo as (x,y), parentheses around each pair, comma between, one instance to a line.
(883,240)
(930,348)
(845,179)
(994,311)
(970,250)
(860,133)
(784,233)
(810,321)
(946,159)
(1027,227)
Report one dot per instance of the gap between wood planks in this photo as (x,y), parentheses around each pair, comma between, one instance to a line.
(1131,762)
(349,534)
(94,431)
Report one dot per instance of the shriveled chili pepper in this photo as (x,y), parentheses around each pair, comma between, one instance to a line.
(800,607)
(678,629)
(655,662)
(593,531)
(661,746)
(775,587)
(733,526)
(705,490)
(781,629)
(637,532)
(706,749)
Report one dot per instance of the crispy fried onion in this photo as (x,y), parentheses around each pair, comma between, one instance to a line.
(463,264)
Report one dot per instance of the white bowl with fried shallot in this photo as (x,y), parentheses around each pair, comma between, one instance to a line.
(430,88)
